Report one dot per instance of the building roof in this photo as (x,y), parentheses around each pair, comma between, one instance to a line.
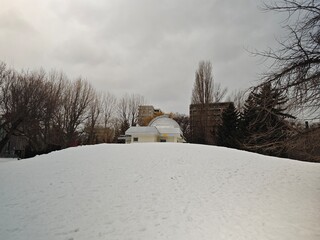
(164,121)
(142,130)
(162,125)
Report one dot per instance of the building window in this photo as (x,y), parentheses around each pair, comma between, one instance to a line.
(135,139)
(163,140)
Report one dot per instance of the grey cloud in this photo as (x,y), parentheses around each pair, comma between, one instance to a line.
(79,50)
(143,46)
(12,21)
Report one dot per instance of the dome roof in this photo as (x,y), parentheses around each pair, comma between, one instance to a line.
(164,121)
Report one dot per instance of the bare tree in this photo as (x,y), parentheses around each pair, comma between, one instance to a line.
(109,103)
(219,93)
(52,133)
(123,114)
(296,65)
(38,130)
(3,69)
(24,96)
(202,95)
(135,101)
(202,92)
(46,111)
(94,112)
(128,107)
(123,108)
(10,119)
(238,98)
(78,96)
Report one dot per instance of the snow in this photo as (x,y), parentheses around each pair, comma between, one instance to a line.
(158,191)
(7,159)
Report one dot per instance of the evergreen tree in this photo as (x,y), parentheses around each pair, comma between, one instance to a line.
(263,126)
(228,132)
(247,118)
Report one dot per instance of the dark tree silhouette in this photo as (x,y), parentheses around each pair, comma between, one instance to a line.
(264,126)
(228,132)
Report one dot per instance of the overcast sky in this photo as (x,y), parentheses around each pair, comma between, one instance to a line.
(147,47)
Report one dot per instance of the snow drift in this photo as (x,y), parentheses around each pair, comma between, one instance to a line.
(158,191)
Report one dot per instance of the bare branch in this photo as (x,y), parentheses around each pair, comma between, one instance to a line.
(296,66)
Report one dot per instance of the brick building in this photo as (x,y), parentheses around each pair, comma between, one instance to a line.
(147,113)
(204,121)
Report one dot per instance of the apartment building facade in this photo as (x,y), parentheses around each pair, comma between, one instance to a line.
(205,120)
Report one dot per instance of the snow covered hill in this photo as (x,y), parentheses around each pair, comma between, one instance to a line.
(159,191)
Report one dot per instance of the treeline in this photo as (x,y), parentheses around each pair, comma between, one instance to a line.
(258,120)
(262,125)
(49,111)
(262,122)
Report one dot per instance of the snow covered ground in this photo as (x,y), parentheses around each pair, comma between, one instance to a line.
(7,160)
(159,191)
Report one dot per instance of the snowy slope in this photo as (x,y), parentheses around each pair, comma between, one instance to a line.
(159,191)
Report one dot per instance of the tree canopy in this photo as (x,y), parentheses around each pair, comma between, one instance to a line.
(264,126)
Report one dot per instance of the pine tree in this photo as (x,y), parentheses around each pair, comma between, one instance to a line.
(228,132)
(264,126)
(248,117)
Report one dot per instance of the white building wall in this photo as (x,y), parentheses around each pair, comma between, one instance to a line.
(170,139)
(143,138)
